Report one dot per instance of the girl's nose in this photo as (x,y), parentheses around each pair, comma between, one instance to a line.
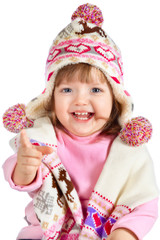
(81,98)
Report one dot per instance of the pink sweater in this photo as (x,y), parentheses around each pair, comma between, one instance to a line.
(83,158)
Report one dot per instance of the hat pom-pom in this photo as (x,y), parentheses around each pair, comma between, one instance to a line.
(89,13)
(15,119)
(136,132)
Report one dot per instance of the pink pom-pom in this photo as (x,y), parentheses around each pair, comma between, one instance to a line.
(136,132)
(14,119)
(89,13)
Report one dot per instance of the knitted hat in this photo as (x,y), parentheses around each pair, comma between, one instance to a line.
(83,41)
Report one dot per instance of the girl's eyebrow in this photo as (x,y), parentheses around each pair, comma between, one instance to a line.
(69,83)
(63,84)
(96,83)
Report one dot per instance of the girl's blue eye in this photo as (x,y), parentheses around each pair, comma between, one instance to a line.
(95,90)
(67,90)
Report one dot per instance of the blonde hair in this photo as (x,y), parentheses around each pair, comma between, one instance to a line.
(84,70)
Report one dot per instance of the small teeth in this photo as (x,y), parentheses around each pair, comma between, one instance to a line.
(80,118)
(84,113)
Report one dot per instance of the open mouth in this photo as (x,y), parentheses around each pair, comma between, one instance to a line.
(83,115)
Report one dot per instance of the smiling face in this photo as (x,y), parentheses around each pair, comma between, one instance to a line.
(83,108)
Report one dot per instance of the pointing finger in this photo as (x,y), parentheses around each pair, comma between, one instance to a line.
(24,140)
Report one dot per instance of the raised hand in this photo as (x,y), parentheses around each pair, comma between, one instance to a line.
(28,160)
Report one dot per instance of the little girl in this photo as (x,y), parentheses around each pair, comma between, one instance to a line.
(82,158)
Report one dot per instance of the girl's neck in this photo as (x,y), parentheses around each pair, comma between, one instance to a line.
(82,139)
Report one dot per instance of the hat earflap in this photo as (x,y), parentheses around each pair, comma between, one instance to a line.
(15,119)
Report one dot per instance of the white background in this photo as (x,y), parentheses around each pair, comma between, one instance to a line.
(27,28)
